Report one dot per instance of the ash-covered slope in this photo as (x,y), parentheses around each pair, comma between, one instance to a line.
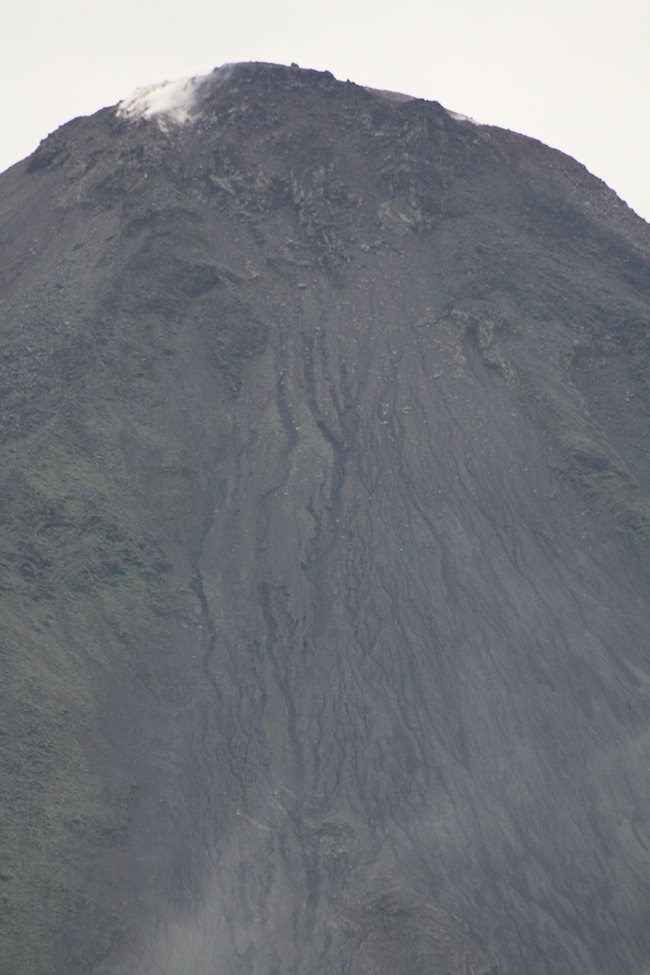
(325,530)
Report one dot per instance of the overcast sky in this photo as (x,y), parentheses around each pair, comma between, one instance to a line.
(573,73)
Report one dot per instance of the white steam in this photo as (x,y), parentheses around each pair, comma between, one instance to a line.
(462,118)
(172,101)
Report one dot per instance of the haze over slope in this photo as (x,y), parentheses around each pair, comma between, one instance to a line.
(325,527)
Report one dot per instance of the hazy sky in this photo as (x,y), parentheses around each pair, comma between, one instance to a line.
(573,73)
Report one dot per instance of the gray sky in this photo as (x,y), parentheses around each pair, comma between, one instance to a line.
(573,73)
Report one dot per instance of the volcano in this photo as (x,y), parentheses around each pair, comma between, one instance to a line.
(325,523)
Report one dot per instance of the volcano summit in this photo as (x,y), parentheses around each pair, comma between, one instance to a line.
(325,523)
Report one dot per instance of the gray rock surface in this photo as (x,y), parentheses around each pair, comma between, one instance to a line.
(325,517)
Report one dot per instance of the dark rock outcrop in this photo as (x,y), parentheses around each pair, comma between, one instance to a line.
(325,527)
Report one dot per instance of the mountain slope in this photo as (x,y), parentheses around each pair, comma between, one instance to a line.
(325,517)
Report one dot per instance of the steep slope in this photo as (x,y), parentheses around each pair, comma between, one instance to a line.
(325,530)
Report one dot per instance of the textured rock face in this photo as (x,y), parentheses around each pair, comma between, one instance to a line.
(325,532)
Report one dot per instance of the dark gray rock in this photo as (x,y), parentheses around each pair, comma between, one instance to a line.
(325,529)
